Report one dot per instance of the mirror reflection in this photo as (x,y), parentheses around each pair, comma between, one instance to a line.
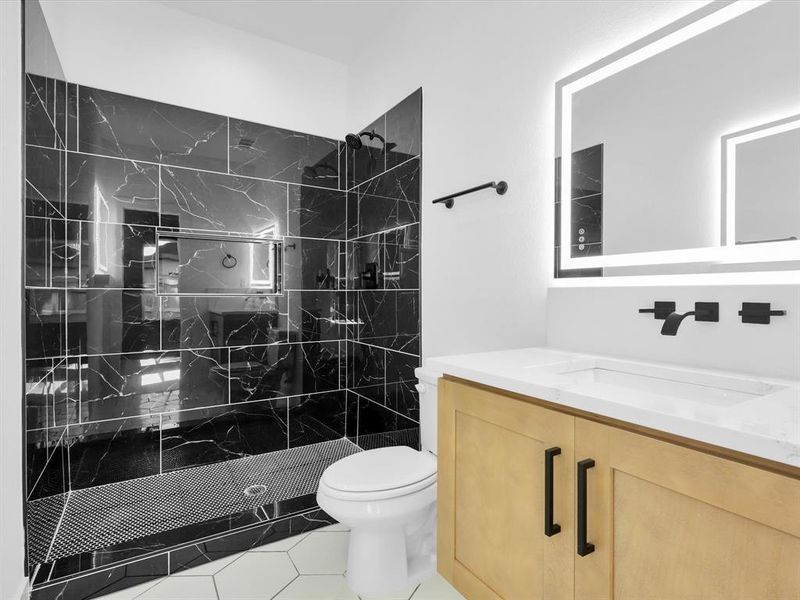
(647,172)
(762,183)
(192,265)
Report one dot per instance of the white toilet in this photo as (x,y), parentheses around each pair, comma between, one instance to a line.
(387,497)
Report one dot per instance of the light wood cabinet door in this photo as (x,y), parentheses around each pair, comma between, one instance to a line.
(671,523)
(491,496)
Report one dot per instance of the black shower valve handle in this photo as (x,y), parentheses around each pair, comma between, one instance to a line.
(661,310)
(760,313)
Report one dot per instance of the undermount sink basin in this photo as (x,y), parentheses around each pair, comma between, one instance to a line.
(685,384)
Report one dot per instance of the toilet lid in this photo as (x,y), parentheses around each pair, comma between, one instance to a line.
(380,469)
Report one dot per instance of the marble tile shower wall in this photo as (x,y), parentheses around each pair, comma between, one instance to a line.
(124,383)
(383,290)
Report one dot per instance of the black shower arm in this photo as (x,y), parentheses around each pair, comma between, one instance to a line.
(500,186)
(372,135)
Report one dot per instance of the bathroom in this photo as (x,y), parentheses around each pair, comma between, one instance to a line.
(231,371)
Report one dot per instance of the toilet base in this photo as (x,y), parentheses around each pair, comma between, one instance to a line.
(378,562)
(388,560)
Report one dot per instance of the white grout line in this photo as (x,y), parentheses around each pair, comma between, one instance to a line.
(58,527)
(384,347)
(47,462)
(161,446)
(384,406)
(196,350)
(77,117)
(216,589)
(185,168)
(389,230)
(51,120)
(397,166)
(239,404)
(288,584)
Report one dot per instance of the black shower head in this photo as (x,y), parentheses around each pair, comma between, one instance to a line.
(354,141)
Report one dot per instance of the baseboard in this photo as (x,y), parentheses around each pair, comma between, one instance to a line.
(23,590)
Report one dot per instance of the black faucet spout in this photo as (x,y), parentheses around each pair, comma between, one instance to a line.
(673,321)
(703,311)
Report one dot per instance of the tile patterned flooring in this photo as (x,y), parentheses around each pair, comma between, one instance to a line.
(309,566)
(102,516)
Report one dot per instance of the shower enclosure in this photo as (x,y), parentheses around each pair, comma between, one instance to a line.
(216,311)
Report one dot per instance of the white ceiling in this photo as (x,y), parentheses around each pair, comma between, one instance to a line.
(335,29)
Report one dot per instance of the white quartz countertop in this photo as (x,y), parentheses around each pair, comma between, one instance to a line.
(760,417)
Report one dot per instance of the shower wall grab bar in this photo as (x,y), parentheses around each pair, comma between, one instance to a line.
(501,187)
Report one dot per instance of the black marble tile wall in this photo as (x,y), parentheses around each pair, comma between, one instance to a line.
(279,154)
(404,130)
(222,203)
(117,371)
(108,451)
(586,228)
(45,122)
(383,280)
(110,190)
(201,436)
(124,380)
(45,170)
(112,124)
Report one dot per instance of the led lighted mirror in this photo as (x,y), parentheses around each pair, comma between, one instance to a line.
(647,189)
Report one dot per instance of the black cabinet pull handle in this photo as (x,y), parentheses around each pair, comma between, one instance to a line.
(584,547)
(550,528)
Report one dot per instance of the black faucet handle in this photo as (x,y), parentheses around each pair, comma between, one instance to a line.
(759,312)
(706,311)
(660,310)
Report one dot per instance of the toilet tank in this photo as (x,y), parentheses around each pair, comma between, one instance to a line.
(428,407)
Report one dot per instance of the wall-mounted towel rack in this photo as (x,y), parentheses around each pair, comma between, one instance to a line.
(501,187)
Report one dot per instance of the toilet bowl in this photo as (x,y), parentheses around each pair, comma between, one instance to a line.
(387,497)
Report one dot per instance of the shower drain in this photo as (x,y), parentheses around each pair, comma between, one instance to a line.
(255,490)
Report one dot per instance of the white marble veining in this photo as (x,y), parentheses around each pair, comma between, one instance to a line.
(760,417)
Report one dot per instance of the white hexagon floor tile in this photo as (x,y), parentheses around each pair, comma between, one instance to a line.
(255,576)
(210,568)
(281,545)
(322,553)
(334,527)
(436,588)
(401,595)
(317,587)
(133,591)
(182,588)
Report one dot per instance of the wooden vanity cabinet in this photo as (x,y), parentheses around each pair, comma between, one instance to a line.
(664,521)
(491,541)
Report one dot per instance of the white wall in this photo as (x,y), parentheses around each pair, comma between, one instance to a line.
(488,73)
(606,321)
(40,53)
(12,546)
(153,51)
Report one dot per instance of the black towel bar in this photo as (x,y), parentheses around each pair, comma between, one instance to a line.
(501,187)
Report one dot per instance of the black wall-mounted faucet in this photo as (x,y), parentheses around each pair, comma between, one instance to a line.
(703,311)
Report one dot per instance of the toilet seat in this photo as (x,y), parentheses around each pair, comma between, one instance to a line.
(381,473)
